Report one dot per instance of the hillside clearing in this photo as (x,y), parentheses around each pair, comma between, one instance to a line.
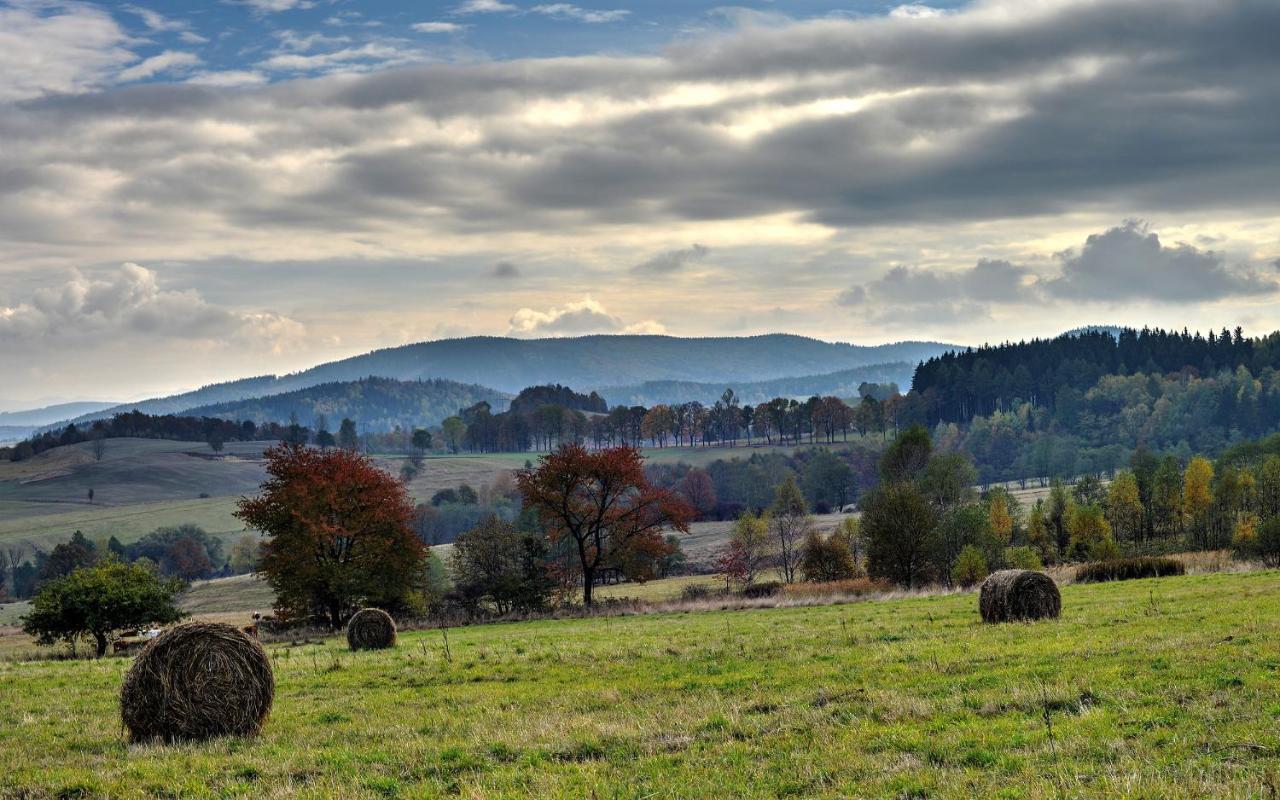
(1153,688)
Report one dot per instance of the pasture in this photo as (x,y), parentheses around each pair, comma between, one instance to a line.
(1151,688)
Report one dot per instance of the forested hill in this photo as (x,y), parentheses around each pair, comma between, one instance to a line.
(586,363)
(844,383)
(958,386)
(376,404)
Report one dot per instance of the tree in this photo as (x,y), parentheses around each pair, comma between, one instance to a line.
(337,531)
(1089,491)
(602,503)
(97,601)
(1124,507)
(69,556)
(497,563)
(970,567)
(1057,515)
(697,488)
(455,430)
(159,546)
(244,555)
(187,560)
(675,558)
(421,440)
(215,442)
(99,447)
(1000,515)
(947,480)
(749,550)
(1197,496)
(1091,534)
(828,481)
(907,457)
(826,558)
(790,522)
(899,523)
(348,438)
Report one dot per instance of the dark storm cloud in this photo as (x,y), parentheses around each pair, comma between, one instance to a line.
(505,270)
(1002,110)
(1130,263)
(672,260)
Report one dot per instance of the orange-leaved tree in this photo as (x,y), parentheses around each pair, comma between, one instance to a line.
(338,533)
(603,504)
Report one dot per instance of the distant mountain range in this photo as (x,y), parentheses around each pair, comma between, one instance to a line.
(49,414)
(584,363)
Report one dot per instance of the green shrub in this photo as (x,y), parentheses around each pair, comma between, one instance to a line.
(1127,569)
(970,567)
(1260,541)
(1023,558)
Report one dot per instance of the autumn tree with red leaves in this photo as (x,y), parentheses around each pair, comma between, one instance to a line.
(603,504)
(338,534)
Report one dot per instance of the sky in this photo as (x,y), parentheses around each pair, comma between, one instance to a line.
(195,192)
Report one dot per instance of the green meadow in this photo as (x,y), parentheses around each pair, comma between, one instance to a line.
(1144,689)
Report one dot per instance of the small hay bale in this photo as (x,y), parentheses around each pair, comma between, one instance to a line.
(1013,595)
(371,629)
(197,681)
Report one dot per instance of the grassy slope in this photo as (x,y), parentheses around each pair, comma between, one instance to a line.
(143,484)
(1165,688)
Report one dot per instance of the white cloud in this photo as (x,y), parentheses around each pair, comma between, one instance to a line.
(569,11)
(168,61)
(438,27)
(275,6)
(131,303)
(365,57)
(69,49)
(585,316)
(916,11)
(156,21)
(229,79)
(484,7)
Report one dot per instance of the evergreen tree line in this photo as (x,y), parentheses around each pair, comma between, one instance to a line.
(957,386)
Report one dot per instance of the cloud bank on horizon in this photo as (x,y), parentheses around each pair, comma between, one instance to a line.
(290,180)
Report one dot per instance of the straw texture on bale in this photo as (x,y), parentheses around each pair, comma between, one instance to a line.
(197,681)
(1013,595)
(371,629)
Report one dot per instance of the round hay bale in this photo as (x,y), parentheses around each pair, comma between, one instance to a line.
(197,681)
(371,629)
(1013,595)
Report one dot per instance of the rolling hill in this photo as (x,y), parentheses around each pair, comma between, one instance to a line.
(378,404)
(584,363)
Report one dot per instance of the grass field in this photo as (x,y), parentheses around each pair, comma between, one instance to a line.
(143,484)
(1156,688)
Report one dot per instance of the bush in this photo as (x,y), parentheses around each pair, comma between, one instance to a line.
(766,589)
(1261,542)
(970,567)
(695,591)
(856,587)
(1023,558)
(1127,569)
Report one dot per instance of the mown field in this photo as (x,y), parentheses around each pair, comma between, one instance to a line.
(1156,688)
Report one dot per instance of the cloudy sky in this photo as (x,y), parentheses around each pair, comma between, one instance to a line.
(192,192)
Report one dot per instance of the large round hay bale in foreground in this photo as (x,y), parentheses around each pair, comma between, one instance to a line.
(1014,595)
(197,681)
(371,629)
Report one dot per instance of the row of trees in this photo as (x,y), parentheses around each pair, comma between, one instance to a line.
(183,552)
(727,422)
(135,424)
